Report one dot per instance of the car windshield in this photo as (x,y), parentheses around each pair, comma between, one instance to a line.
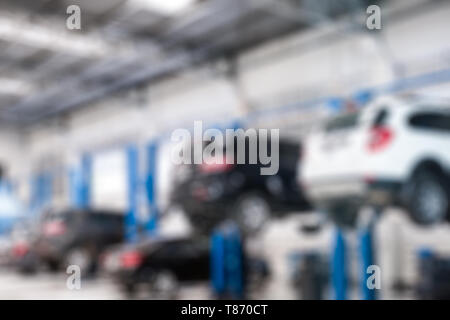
(342,122)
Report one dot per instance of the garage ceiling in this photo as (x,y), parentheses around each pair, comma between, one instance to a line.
(46,69)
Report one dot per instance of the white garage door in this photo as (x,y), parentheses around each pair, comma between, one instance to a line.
(109,180)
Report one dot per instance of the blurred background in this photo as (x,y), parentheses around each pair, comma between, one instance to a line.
(86,174)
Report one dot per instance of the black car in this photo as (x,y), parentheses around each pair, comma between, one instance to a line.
(162,264)
(210,194)
(77,237)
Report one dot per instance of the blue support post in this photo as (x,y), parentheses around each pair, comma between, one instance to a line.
(151,188)
(75,182)
(227,276)
(41,191)
(80,183)
(367,259)
(339,267)
(86,177)
(131,230)
(218,263)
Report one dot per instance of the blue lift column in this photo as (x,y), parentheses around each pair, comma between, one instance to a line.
(86,174)
(339,267)
(80,183)
(339,263)
(367,256)
(41,191)
(131,228)
(151,188)
(227,268)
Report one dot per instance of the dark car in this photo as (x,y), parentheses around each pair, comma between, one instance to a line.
(161,264)
(21,256)
(210,194)
(77,237)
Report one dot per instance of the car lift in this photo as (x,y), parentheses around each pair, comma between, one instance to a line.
(80,183)
(339,265)
(227,266)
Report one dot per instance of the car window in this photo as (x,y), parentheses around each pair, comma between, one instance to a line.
(66,216)
(381,118)
(344,122)
(431,121)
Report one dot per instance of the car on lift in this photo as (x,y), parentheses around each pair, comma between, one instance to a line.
(77,237)
(212,193)
(395,151)
(162,264)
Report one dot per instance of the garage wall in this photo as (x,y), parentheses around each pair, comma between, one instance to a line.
(14,159)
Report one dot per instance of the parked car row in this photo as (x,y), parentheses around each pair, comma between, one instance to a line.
(94,241)
(67,237)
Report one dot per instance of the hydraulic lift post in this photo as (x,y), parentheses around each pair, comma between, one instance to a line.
(151,187)
(227,268)
(340,263)
(131,229)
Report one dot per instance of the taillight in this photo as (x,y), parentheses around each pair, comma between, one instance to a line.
(55,228)
(216,167)
(380,138)
(130,260)
(20,249)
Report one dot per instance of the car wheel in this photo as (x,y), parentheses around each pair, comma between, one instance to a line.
(53,266)
(428,200)
(203,223)
(251,212)
(164,285)
(129,290)
(82,258)
(28,265)
(343,215)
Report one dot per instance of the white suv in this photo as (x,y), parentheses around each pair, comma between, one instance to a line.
(395,151)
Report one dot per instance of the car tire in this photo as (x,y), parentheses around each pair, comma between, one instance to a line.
(203,223)
(129,290)
(164,285)
(343,215)
(53,266)
(251,212)
(81,257)
(428,198)
(29,265)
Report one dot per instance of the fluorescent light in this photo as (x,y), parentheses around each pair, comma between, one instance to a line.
(14,87)
(164,6)
(14,29)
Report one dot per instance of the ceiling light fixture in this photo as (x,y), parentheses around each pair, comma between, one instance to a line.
(168,7)
(14,87)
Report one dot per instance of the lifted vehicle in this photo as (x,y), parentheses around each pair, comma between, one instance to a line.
(77,237)
(396,151)
(162,264)
(213,193)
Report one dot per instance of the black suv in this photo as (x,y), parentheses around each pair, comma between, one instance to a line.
(210,194)
(77,237)
(162,264)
